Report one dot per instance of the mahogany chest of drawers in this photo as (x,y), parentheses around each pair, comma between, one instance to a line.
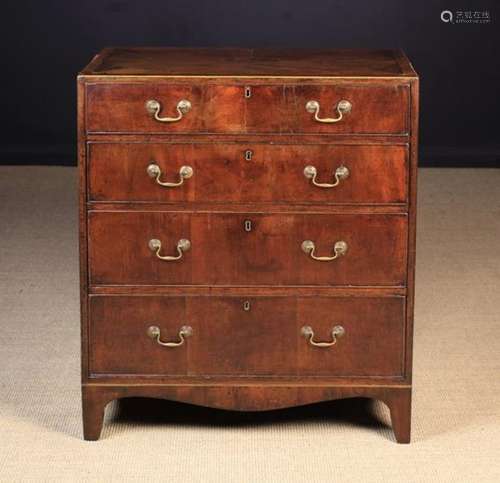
(247,228)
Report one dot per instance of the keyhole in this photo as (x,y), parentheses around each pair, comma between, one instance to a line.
(248,154)
(248,92)
(246,305)
(248,225)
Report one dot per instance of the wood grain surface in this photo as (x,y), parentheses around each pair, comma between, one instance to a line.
(246,217)
(274,173)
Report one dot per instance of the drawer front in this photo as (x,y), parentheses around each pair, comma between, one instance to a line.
(246,336)
(124,108)
(372,109)
(248,173)
(246,248)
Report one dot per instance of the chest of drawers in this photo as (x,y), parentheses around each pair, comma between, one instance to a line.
(247,228)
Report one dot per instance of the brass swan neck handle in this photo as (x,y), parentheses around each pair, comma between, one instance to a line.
(340,174)
(339,249)
(183,245)
(342,107)
(155,333)
(153,107)
(337,332)
(154,171)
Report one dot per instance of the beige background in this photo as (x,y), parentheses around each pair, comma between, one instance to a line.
(456,419)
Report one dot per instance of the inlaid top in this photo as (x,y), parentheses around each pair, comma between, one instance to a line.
(233,62)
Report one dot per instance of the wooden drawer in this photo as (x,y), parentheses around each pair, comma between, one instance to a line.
(233,172)
(121,108)
(246,248)
(247,336)
(374,109)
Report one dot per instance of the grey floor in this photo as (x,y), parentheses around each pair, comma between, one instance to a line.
(456,419)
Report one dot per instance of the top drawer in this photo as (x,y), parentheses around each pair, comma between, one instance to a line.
(212,108)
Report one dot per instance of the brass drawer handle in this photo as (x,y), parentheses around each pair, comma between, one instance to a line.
(340,248)
(154,171)
(183,245)
(310,172)
(155,333)
(154,107)
(343,107)
(337,332)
